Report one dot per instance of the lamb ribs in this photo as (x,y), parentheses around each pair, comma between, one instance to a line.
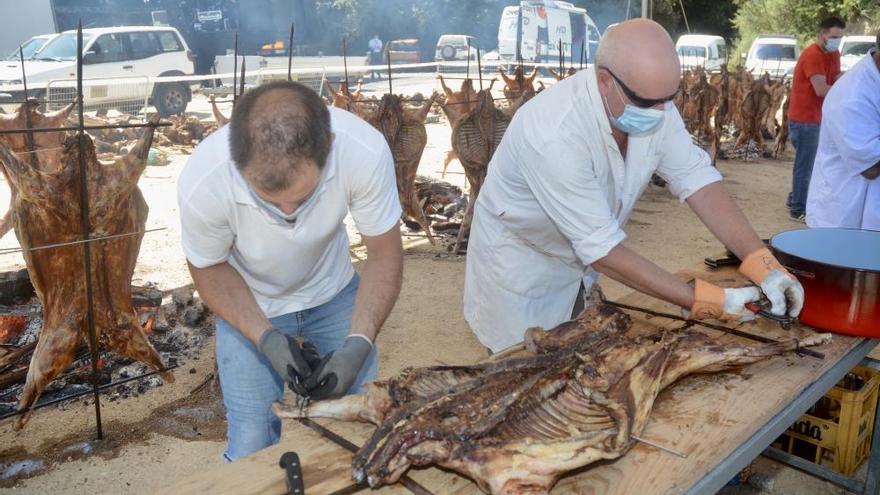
(518,424)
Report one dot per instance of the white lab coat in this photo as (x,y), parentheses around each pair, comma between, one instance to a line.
(556,197)
(849,144)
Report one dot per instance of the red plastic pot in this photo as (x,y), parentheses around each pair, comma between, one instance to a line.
(840,272)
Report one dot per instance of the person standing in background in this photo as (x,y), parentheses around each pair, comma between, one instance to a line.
(816,70)
(375,56)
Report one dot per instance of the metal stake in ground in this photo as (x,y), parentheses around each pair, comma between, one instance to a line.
(583,50)
(468,70)
(234,67)
(241,79)
(345,62)
(27,109)
(479,68)
(390,87)
(290,53)
(86,227)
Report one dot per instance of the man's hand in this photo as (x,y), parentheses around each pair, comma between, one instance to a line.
(294,363)
(339,369)
(783,290)
(713,302)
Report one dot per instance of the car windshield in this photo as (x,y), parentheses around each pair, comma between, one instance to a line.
(857,48)
(775,52)
(28,48)
(62,47)
(692,51)
(453,40)
(403,46)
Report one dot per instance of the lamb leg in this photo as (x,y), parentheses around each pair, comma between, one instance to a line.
(419,215)
(369,407)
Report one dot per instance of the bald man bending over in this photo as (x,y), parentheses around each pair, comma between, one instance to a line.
(262,203)
(564,180)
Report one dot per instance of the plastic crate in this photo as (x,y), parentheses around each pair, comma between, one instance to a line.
(838,428)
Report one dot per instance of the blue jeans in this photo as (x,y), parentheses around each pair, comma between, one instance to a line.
(249,383)
(805,138)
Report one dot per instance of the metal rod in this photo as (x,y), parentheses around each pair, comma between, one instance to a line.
(290,54)
(241,79)
(659,447)
(85,127)
(234,67)
(583,52)
(86,392)
(479,68)
(74,243)
(345,64)
(27,109)
(732,331)
(561,58)
(390,87)
(86,228)
(468,69)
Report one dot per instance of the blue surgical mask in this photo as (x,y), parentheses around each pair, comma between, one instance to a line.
(832,44)
(277,214)
(635,121)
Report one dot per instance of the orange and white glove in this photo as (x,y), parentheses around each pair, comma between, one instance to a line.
(785,292)
(714,303)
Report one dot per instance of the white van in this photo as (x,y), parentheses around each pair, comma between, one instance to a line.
(853,49)
(544,25)
(132,55)
(774,54)
(701,50)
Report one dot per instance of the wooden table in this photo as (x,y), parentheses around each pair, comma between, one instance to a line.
(721,421)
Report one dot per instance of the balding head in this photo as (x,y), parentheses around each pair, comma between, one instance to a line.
(641,53)
(276,131)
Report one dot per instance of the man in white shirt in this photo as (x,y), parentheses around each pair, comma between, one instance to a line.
(375,45)
(845,189)
(564,180)
(262,203)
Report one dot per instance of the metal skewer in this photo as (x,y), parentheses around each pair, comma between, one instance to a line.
(659,447)
(290,53)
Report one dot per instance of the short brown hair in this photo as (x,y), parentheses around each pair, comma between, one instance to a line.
(285,137)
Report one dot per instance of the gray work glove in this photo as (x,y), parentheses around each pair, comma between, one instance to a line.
(339,369)
(290,359)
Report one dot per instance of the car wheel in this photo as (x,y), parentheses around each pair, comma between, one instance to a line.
(171,99)
(447,52)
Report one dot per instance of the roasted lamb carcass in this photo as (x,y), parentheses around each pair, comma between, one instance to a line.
(518,83)
(344,98)
(518,424)
(475,137)
(47,211)
(218,115)
(45,145)
(404,130)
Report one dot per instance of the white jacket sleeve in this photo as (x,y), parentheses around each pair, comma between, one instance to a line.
(854,127)
(685,166)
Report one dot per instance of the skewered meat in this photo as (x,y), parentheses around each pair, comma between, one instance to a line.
(218,115)
(563,73)
(516,425)
(698,101)
(474,138)
(457,104)
(515,86)
(782,135)
(45,144)
(404,129)
(344,98)
(754,110)
(47,211)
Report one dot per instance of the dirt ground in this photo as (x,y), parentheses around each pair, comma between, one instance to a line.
(170,432)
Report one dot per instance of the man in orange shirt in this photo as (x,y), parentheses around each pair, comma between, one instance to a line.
(816,70)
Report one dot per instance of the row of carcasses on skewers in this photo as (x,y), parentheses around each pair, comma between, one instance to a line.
(710,103)
(478,124)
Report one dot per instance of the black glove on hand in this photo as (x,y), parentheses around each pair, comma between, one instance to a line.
(339,369)
(293,361)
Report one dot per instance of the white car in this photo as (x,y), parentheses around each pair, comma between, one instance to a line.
(455,47)
(133,54)
(853,49)
(701,50)
(774,54)
(30,47)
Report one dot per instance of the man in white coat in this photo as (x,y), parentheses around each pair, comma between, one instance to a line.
(845,189)
(564,180)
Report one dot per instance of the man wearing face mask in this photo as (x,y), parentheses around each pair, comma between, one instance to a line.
(564,180)
(816,70)
(262,203)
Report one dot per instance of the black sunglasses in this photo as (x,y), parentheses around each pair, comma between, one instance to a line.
(636,99)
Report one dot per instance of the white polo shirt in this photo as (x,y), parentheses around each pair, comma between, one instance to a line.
(288,268)
(849,144)
(556,197)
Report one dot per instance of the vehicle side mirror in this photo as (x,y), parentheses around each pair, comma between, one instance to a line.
(90,58)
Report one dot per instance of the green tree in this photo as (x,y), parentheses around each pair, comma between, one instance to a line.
(796,17)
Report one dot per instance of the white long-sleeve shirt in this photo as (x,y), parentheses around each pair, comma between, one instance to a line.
(557,195)
(849,144)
